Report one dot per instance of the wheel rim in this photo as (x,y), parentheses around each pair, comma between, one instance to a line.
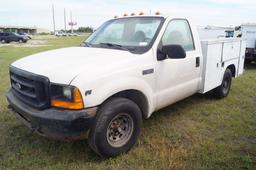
(120,130)
(226,85)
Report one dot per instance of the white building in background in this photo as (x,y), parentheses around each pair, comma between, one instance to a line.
(42,30)
(23,29)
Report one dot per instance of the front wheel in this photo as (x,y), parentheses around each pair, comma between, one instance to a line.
(223,90)
(117,127)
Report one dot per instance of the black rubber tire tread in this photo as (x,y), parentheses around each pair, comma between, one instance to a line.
(97,137)
(218,92)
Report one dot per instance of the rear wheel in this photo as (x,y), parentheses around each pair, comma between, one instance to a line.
(116,128)
(223,90)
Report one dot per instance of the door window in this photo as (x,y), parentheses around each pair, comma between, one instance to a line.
(178,32)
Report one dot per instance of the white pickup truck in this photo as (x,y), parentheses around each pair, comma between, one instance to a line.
(126,70)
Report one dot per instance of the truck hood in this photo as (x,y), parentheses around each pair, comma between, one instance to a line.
(63,65)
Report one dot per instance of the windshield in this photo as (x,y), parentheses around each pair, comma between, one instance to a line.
(132,33)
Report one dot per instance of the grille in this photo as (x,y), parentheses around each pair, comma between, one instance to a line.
(30,88)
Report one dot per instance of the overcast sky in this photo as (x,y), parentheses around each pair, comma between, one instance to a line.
(95,12)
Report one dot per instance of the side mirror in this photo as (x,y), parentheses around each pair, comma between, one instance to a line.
(173,51)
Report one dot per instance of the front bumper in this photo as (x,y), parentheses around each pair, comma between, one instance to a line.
(54,123)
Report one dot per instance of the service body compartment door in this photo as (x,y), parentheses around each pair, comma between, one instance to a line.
(231,50)
(212,76)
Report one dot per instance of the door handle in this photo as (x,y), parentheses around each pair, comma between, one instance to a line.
(197,61)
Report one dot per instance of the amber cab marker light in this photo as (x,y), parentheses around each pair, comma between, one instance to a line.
(133,14)
(116,17)
(141,13)
(157,13)
(125,15)
(77,103)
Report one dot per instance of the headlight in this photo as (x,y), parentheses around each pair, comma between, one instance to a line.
(67,92)
(68,97)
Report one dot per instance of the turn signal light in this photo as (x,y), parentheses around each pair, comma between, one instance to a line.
(76,104)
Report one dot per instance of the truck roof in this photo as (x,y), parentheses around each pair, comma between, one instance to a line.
(134,16)
(160,15)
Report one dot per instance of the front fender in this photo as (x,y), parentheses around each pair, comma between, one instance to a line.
(101,91)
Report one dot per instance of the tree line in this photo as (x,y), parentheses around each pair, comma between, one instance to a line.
(81,29)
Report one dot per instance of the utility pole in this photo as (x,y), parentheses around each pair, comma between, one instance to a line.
(71,21)
(65,23)
(53,17)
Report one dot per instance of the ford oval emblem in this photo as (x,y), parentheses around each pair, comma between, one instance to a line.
(18,85)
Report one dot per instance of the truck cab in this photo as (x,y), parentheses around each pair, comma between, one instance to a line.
(126,70)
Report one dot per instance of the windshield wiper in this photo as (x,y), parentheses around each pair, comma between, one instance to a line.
(86,44)
(115,46)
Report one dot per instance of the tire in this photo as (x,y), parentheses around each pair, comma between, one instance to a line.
(223,90)
(3,41)
(116,128)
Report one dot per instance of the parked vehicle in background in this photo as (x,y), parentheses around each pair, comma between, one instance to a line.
(72,34)
(60,34)
(29,36)
(7,37)
(126,70)
(248,31)
(213,32)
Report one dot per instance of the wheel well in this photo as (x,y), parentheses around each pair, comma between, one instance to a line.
(232,68)
(137,97)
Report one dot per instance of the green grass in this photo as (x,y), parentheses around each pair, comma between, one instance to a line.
(196,133)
